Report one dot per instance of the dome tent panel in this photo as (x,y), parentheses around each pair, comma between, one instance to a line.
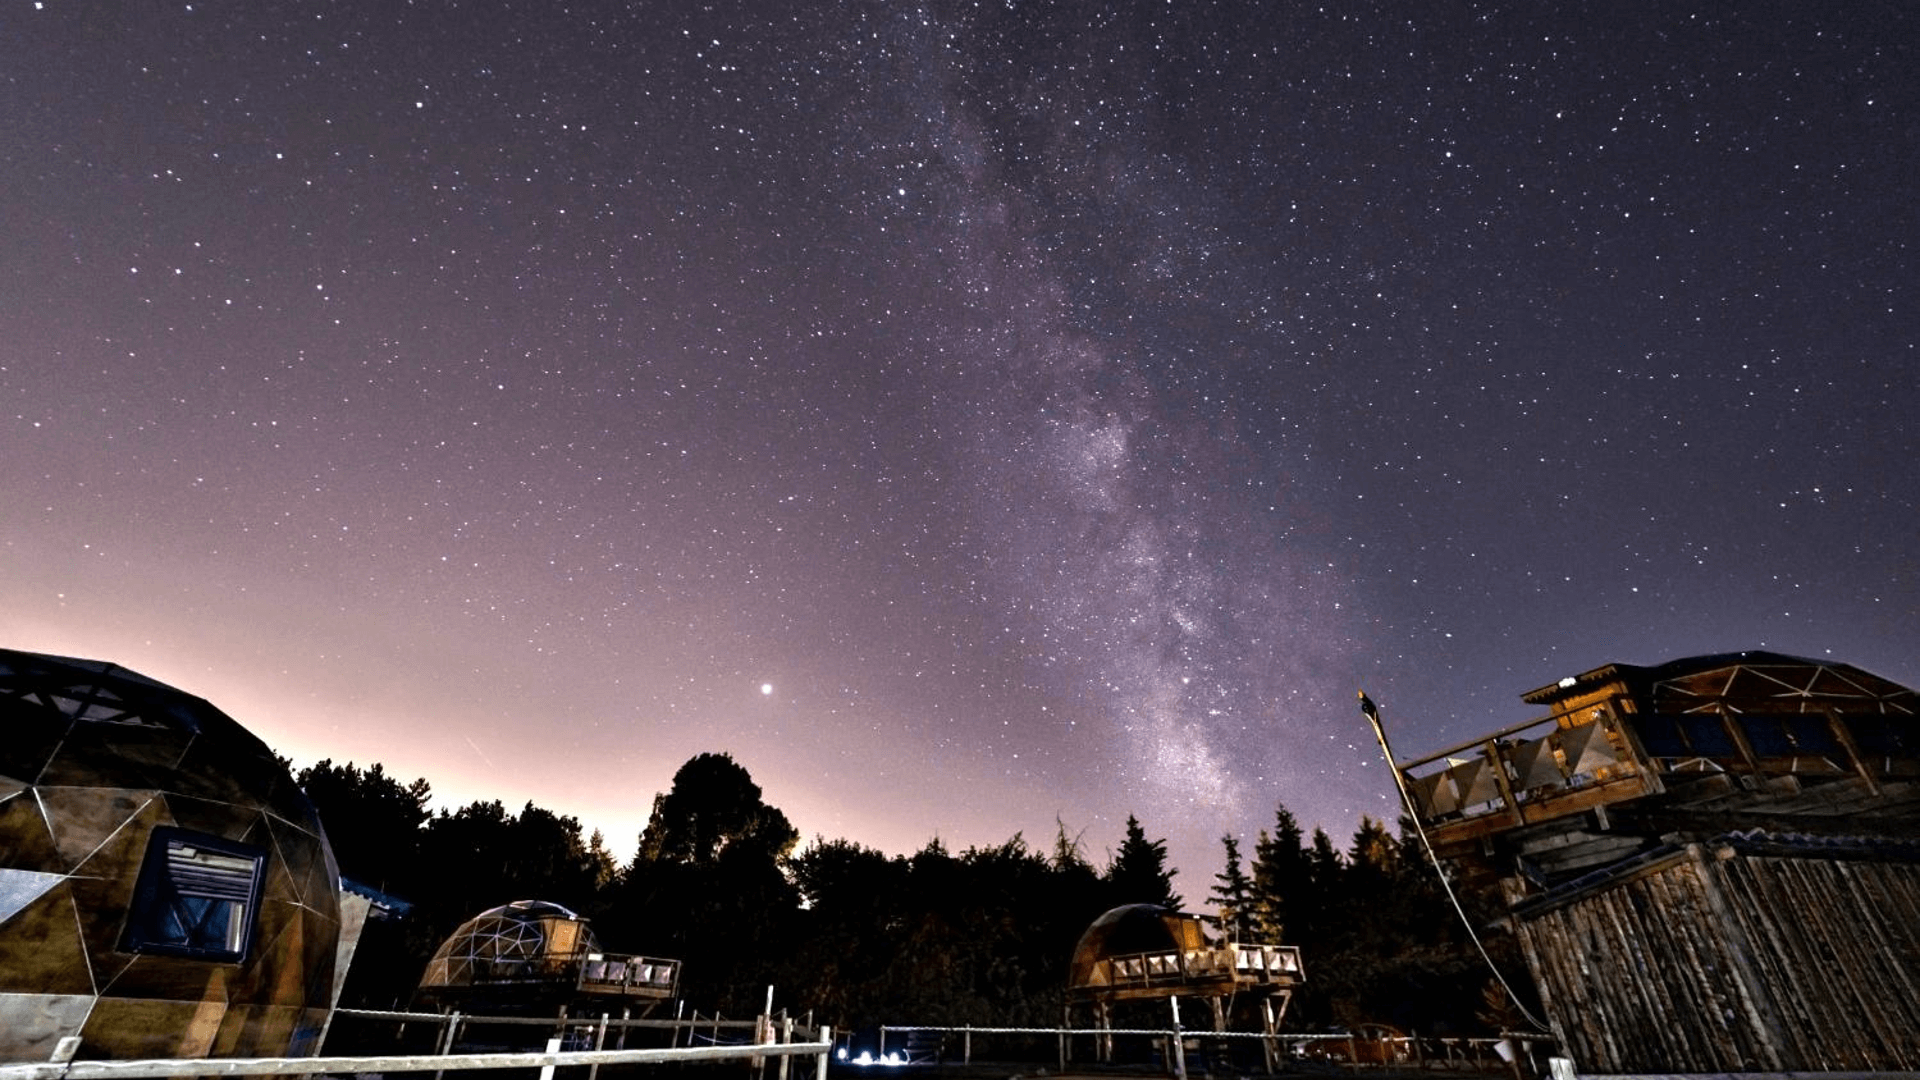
(153,808)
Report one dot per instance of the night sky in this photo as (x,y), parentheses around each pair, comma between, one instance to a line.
(973,417)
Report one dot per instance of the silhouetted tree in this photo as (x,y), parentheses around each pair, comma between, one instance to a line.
(1283,885)
(714,805)
(707,885)
(851,932)
(1233,896)
(374,824)
(372,820)
(1139,872)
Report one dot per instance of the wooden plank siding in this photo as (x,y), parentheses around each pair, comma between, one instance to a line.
(1716,959)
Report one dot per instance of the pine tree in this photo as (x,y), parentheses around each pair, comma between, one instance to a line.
(1233,896)
(1282,881)
(1139,873)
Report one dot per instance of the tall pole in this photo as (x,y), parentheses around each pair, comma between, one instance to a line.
(1399,782)
(1413,814)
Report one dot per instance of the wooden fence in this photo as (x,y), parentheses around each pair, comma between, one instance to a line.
(546,1061)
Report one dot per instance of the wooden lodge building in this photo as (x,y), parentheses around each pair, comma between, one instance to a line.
(1711,865)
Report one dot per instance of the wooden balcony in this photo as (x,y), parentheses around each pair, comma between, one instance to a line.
(597,975)
(1222,969)
(1605,754)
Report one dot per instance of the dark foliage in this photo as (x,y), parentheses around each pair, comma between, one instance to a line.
(862,938)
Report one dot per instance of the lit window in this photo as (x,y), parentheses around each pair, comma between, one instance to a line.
(196,896)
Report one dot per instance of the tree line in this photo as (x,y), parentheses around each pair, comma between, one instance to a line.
(981,936)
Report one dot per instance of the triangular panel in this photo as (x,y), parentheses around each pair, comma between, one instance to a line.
(40,951)
(18,888)
(1587,749)
(26,842)
(1433,795)
(1534,765)
(85,818)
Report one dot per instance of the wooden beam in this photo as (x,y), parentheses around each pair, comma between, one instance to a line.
(1844,733)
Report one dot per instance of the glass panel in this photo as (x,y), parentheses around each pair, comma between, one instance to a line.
(1883,736)
(1662,738)
(1767,736)
(195,897)
(1812,735)
(1707,736)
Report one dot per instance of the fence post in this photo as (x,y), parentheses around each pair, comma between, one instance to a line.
(1270,1027)
(1066,1033)
(599,1043)
(1179,1042)
(553,1047)
(446,1039)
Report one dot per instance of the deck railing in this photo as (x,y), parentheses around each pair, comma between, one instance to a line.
(1526,772)
(1243,963)
(593,973)
(1550,767)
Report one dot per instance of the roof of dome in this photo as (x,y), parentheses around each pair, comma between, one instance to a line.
(1755,678)
(64,689)
(77,723)
(1124,931)
(503,937)
(527,910)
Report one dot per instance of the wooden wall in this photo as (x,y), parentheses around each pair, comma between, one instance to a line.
(1736,957)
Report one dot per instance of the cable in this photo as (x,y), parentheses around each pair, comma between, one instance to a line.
(1413,815)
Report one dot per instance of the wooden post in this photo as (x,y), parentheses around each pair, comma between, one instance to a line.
(1844,735)
(447,1037)
(599,1043)
(1270,1026)
(554,1043)
(1618,709)
(1179,1055)
(1498,762)
(1731,722)
(820,1070)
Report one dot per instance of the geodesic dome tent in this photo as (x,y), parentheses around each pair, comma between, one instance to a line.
(508,942)
(1141,952)
(165,888)
(532,954)
(1128,931)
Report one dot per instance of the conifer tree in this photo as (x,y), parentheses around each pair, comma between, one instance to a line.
(1233,896)
(1139,873)
(1283,886)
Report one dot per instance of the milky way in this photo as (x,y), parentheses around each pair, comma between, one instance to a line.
(977,419)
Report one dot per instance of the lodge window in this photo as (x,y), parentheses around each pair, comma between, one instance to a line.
(196,897)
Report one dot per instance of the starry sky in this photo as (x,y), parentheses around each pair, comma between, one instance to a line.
(976,418)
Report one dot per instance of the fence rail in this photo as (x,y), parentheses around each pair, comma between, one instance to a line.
(1358,1049)
(162,1069)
